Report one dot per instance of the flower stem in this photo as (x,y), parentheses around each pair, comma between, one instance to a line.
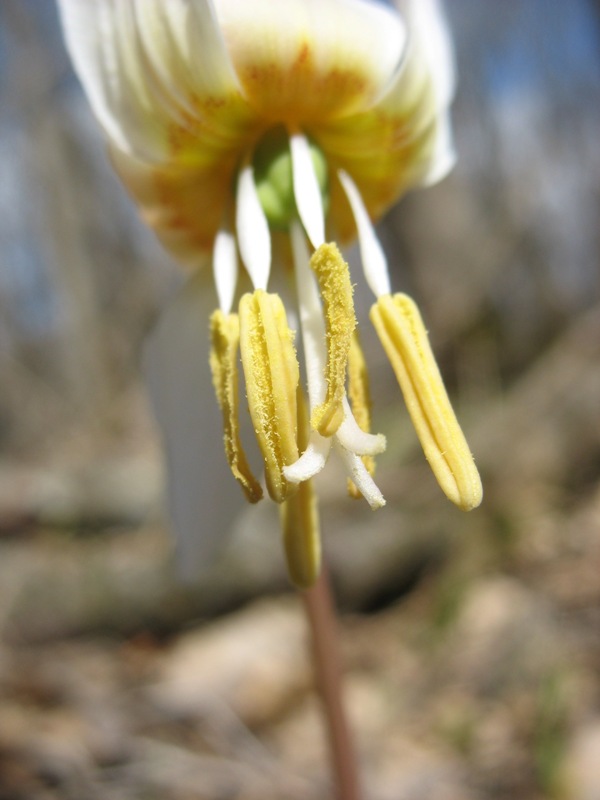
(320,612)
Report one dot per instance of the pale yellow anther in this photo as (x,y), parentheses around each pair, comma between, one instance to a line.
(300,521)
(360,401)
(225,338)
(333,277)
(400,328)
(272,375)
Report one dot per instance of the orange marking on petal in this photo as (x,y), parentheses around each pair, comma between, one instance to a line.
(301,92)
(303,54)
(385,153)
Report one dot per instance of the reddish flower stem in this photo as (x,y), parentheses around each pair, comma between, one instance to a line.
(321,615)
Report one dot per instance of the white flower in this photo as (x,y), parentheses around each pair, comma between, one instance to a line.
(263,129)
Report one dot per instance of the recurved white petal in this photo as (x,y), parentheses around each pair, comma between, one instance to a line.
(153,70)
(204,500)
(103,42)
(404,140)
(185,48)
(443,157)
(429,52)
(427,23)
(311,60)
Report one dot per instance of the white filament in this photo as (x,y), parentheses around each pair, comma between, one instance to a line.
(252,228)
(312,460)
(371,252)
(357,472)
(311,319)
(353,438)
(225,268)
(307,192)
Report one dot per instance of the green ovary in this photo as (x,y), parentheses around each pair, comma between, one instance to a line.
(272,164)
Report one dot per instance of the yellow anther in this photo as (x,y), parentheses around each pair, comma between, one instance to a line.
(360,400)
(336,290)
(400,328)
(225,338)
(300,521)
(272,375)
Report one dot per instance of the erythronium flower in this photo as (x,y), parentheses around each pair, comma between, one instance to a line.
(263,130)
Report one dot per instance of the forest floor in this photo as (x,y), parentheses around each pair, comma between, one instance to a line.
(471,643)
(470,675)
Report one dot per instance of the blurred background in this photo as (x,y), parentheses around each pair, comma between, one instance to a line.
(472,642)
